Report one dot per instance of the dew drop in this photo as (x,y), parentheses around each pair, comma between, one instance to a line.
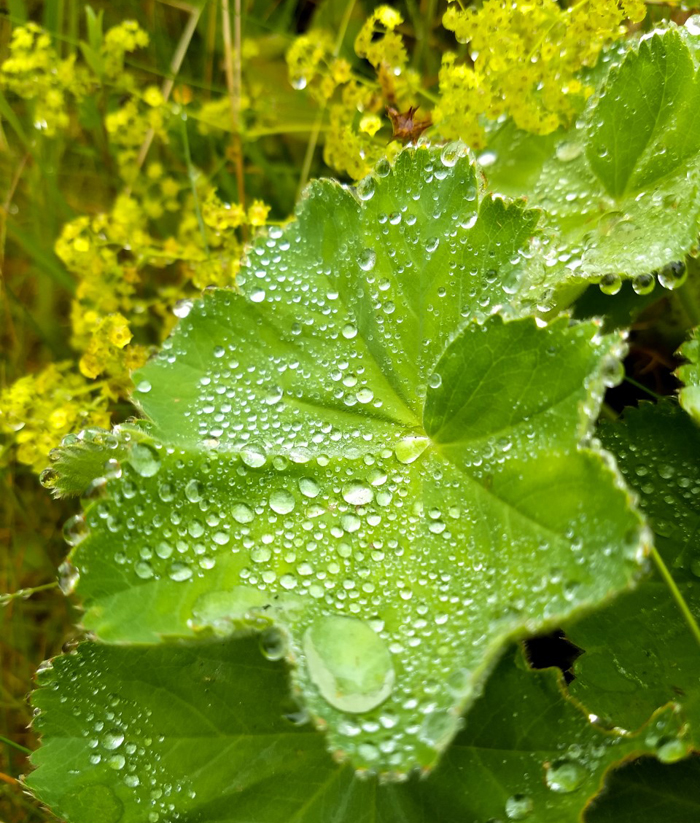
(410,448)
(367,259)
(673,275)
(644,283)
(253,455)
(144,460)
(282,502)
(309,487)
(241,513)
(357,494)
(519,807)
(349,663)
(565,776)
(610,283)
(273,644)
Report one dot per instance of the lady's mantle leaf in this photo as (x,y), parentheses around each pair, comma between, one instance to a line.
(621,190)
(689,373)
(640,653)
(202,732)
(344,453)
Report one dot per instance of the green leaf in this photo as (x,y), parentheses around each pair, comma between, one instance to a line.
(620,190)
(640,651)
(341,456)
(689,373)
(203,732)
(647,791)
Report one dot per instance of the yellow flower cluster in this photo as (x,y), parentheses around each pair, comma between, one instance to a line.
(378,41)
(354,103)
(525,58)
(37,411)
(34,71)
(118,41)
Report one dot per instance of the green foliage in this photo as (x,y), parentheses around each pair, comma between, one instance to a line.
(387,431)
(174,729)
(368,458)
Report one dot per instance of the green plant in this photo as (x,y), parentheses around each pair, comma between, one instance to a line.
(387,454)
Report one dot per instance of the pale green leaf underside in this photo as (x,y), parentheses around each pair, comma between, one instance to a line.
(640,653)
(621,189)
(197,733)
(344,452)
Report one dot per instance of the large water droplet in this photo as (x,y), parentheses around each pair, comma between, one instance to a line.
(349,663)
(519,807)
(673,275)
(144,460)
(410,448)
(282,502)
(565,775)
(357,494)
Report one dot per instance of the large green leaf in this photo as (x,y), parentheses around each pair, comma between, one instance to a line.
(620,190)
(646,792)
(640,652)
(353,451)
(203,732)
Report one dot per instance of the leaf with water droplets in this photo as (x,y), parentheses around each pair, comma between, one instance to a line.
(621,188)
(205,731)
(689,373)
(640,651)
(396,502)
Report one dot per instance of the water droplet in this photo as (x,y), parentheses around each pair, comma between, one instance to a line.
(273,644)
(349,663)
(610,283)
(48,478)
(75,530)
(519,807)
(367,259)
(673,275)
(357,494)
(68,577)
(180,572)
(143,387)
(365,188)
(116,762)
(565,775)
(349,331)
(671,749)
(193,491)
(568,151)
(253,455)
(282,502)
(241,513)
(410,448)
(144,460)
(113,740)
(644,283)
(451,153)
(612,372)
(309,487)
(435,381)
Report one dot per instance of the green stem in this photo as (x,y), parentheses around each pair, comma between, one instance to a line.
(193,186)
(676,594)
(24,593)
(313,137)
(642,387)
(14,745)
